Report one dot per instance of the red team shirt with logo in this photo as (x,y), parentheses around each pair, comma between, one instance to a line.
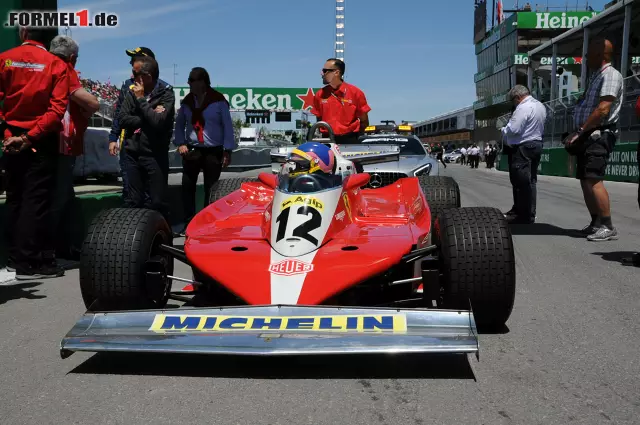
(341,108)
(34,85)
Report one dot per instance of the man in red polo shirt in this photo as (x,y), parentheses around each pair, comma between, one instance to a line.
(342,105)
(34,86)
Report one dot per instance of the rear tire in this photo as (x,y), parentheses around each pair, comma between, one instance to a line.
(478,263)
(115,251)
(224,187)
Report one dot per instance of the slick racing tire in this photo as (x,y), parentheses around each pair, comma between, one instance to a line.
(224,187)
(441,193)
(120,245)
(478,263)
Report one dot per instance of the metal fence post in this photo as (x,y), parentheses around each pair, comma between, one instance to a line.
(624,64)
(583,68)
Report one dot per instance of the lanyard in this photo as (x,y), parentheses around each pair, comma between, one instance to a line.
(26,43)
(600,71)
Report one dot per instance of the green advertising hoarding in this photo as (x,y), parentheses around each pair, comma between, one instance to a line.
(268,98)
(552,20)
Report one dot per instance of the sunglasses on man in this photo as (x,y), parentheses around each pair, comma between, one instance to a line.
(325,70)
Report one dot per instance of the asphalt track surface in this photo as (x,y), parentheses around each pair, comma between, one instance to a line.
(569,355)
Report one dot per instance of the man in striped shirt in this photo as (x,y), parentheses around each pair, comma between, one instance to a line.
(595,119)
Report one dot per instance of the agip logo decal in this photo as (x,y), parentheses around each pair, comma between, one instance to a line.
(303,200)
(290,267)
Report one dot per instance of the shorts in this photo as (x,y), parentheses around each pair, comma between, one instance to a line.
(592,161)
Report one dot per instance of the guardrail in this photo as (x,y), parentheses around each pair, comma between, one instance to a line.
(560,115)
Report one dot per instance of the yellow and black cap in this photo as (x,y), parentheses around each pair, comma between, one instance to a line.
(140,51)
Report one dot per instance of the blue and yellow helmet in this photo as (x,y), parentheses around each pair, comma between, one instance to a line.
(311,157)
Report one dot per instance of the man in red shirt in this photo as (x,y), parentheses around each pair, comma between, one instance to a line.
(34,86)
(82,105)
(342,105)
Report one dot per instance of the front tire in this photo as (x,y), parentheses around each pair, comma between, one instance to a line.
(441,192)
(113,264)
(478,263)
(224,187)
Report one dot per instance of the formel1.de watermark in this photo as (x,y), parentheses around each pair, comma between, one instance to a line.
(50,19)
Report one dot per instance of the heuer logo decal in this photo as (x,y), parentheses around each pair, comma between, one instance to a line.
(290,267)
(303,200)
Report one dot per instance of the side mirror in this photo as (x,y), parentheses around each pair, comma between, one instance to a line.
(269,179)
(356,180)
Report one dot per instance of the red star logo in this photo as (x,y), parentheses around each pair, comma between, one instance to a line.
(578,60)
(307,99)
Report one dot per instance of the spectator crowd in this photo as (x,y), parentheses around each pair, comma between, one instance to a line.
(104,92)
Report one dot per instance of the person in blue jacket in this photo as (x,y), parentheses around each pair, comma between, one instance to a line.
(205,138)
(116,139)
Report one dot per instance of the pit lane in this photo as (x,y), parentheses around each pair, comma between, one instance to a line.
(569,354)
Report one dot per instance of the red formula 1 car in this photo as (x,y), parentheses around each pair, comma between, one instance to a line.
(286,265)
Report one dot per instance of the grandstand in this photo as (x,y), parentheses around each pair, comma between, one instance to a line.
(455,127)
(107,95)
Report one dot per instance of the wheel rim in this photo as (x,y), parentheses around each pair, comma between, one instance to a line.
(155,253)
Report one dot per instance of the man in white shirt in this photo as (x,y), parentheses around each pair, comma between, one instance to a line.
(523,136)
(474,156)
(463,157)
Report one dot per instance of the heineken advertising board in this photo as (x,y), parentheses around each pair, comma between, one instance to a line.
(552,20)
(296,99)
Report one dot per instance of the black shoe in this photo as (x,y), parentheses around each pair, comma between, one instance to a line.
(511,212)
(42,272)
(11,265)
(634,260)
(512,219)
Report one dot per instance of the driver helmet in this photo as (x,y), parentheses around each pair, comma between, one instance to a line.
(311,158)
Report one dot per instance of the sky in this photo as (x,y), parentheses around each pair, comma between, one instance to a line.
(413,59)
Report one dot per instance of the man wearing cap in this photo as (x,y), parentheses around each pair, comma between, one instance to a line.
(116,139)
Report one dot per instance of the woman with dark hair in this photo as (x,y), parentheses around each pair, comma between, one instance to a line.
(205,138)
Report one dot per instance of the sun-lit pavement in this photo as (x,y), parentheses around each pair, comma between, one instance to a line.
(570,354)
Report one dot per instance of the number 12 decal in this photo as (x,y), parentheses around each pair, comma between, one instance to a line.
(304,229)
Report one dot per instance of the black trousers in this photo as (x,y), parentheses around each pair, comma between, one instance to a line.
(150,172)
(207,160)
(31,178)
(523,172)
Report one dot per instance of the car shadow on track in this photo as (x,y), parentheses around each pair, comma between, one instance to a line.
(16,291)
(544,229)
(396,366)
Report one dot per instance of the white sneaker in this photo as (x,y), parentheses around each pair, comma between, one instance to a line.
(603,234)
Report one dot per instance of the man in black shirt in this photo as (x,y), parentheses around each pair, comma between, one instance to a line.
(147,116)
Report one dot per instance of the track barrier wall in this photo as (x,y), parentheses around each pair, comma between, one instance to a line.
(623,163)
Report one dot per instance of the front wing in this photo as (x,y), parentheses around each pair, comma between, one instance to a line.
(275,330)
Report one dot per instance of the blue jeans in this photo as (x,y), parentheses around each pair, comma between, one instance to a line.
(148,173)
(523,173)
(125,181)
